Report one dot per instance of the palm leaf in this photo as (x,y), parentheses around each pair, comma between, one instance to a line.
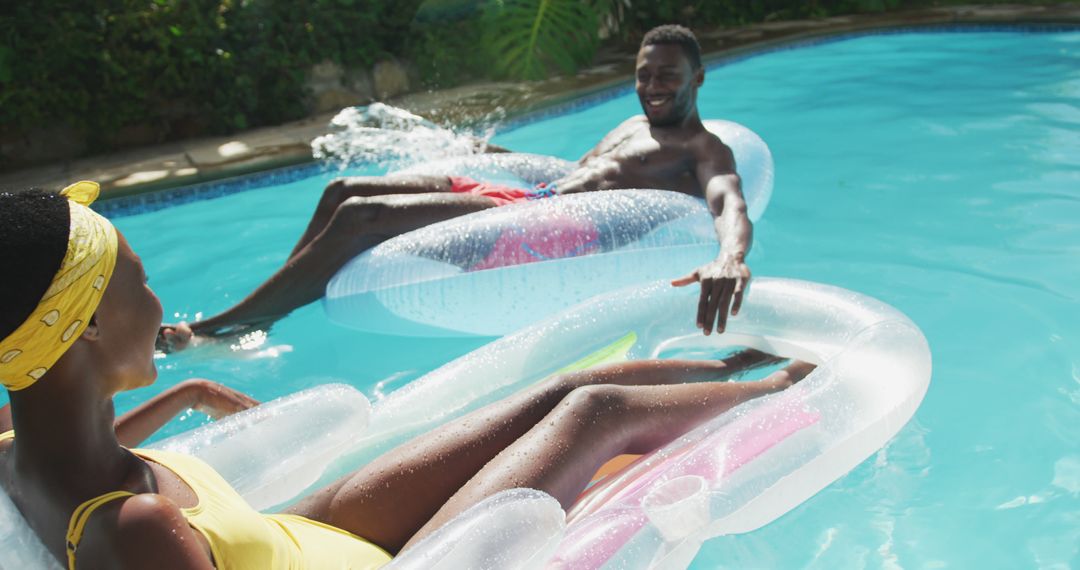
(530,38)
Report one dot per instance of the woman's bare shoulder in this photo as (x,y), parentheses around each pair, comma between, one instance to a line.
(141,531)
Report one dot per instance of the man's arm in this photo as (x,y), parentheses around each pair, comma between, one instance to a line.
(724,280)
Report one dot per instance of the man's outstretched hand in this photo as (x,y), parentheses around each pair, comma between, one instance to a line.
(722,285)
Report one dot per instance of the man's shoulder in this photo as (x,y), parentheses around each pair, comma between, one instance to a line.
(711,152)
(710,145)
(709,139)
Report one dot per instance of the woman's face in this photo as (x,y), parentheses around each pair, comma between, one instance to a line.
(128,319)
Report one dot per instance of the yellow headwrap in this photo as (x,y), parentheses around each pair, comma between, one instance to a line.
(71,299)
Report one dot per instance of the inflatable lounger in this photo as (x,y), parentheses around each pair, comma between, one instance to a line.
(494,271)
(733,474)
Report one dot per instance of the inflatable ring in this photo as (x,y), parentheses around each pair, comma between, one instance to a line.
(492,272)
(515,169)
(737,472)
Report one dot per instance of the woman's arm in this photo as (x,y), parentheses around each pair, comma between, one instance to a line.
(208,397)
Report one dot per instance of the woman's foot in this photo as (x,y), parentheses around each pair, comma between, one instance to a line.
(792,373)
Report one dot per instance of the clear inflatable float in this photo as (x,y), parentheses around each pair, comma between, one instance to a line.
(731,475)
(492,272)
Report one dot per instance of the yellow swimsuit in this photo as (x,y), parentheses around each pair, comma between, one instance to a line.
(240,537)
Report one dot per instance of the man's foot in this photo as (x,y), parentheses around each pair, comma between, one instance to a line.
(174,338)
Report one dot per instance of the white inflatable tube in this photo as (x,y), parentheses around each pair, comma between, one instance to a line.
(269,454)
(273,452)
(515,169)
(492,272)
(734,474)
(518,528)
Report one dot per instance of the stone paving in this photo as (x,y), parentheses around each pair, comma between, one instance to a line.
(199,160)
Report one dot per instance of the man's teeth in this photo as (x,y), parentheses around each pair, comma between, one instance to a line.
(657,102)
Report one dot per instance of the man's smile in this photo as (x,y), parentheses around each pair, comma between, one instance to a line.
(657,101)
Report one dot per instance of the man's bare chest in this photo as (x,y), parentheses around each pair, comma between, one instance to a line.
(646,156)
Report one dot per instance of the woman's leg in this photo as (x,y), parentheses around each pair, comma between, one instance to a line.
(560,454)
(394,496)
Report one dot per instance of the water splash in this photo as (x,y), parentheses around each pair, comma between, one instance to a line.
(392,137)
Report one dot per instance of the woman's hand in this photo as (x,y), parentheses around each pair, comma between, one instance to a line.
(200,394)
(217,400)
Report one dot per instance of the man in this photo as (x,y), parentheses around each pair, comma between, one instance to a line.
(666,148)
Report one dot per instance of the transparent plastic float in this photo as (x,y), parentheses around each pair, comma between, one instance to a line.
(731,475)
(492,272)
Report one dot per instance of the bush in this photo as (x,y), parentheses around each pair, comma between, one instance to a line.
(183,67)
(150,70)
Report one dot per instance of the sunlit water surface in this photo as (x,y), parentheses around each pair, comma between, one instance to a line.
(939,172)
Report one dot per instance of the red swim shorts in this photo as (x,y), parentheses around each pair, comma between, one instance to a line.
(501,195)
(561,238)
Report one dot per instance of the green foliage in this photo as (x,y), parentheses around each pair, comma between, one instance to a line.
(447,53)
(181,67)
(175,68)
(530,38)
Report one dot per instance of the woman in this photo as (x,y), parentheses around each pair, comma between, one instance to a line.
(78,324)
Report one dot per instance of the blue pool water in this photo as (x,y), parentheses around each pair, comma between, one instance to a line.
(939,172)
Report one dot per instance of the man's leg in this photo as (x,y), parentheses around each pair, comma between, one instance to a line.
(357,224)
(341,189)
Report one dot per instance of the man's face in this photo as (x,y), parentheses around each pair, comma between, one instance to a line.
(666,84)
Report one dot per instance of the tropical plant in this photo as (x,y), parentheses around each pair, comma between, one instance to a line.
(530,38)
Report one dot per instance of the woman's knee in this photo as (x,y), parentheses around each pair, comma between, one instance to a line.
(595,403)
(563,384)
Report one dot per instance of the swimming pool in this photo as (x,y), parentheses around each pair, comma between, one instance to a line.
(936,171)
